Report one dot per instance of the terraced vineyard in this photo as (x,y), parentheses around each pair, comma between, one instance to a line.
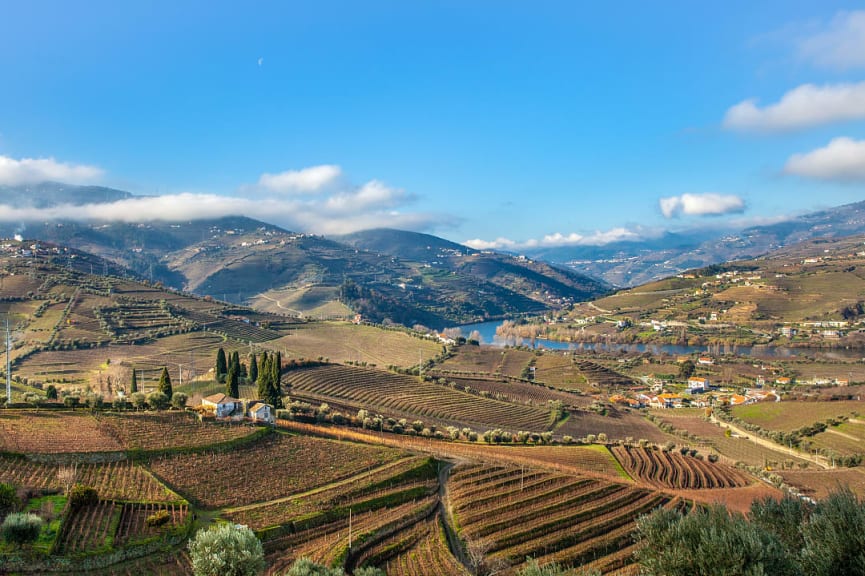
(114,481)
(559,371)
(133,520)
(403,395)
(602,377)
(43,432)
(328,543)
(414,474)
(513,391)
(419,551)
(273,467)
(89,527)
(107,523)
(163,430)
(549,516)
(665,469)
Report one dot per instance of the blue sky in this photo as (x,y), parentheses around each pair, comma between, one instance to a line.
(505,124)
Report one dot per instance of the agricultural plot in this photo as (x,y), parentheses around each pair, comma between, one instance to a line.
(518,392)
(345,342)
(789,416)
(593,460)
(618,425)
(818,484)
(274,467)
(734,449)
(514,362)
(169,430)
(328,543)
(193,352)
(18,285)
(419,551)
(599,376)
(415,475)
(40,432)
(559,371)
(89,528)
(549,516)
(672,470)
(383,391)
(475,360)
(106,524)
(133,520)
(121,480)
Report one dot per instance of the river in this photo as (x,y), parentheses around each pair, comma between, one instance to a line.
(487,331)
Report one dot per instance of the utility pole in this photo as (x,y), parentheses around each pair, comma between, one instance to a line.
(8,364)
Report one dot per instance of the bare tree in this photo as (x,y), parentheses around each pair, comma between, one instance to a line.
(477,553)
(66,475)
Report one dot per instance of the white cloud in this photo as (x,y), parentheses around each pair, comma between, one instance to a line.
(708,204)
(841,45)
(337,208)
(373,194)
(597,238)
(842,159)
(33,170)
(804,106)
(497,244)
(306,181)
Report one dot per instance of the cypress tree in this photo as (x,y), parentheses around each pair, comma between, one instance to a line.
(221,364)
(165,383)
(263,379)
(133,386)
(232,387)
(275,390)
(235,361)
(253,368)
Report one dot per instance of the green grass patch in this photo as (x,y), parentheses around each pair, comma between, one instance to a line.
(601,449)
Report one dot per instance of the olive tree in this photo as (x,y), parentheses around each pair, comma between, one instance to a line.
(20,528)
(226,550)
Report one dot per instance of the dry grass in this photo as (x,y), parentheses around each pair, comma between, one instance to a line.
(343,342)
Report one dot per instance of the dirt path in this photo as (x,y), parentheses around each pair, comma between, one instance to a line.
(454,543)
(831,430)
(280,306)
(771,445)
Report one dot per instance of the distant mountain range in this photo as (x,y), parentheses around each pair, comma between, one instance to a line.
(403,277)
(637,262)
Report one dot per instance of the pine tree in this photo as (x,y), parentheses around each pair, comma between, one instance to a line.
(133,386)
(253,368)
(232,387)
(165,383)
(221,365)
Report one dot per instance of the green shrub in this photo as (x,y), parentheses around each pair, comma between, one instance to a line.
(82,495)
(21,528)
(159,518)
(8,498)
(226,550)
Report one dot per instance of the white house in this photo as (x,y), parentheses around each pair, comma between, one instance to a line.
(221,404)
(697,384)
(258,411)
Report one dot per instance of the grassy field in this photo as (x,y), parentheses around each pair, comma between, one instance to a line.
(789,416)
